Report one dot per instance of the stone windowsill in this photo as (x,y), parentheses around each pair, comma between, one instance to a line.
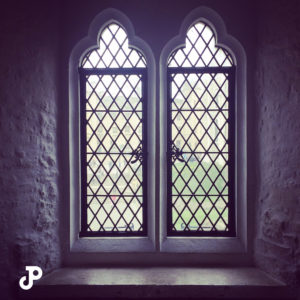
(158,282)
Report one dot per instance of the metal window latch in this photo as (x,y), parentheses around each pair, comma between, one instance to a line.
(137,155)
(176,154)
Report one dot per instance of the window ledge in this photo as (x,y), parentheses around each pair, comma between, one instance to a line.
(170,244)
(159,282)
(117,244)
(203,245)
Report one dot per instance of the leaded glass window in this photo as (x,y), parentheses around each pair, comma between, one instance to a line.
(113,144)
(200,137)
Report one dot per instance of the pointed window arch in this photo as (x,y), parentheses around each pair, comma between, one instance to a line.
(200,137)
(113,51)
(113,142)
(200,50)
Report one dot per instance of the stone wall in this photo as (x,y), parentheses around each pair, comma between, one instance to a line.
(277,244)
(28,148)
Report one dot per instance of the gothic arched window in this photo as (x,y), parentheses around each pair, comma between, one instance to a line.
(200,137)
(113,144)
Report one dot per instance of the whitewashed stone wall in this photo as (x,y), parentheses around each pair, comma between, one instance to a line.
(28,147)
(277,243)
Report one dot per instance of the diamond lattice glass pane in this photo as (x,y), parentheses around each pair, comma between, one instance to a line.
(200,50)
(116,209)
(114,128)
(199,130)
(199,213)
(113,51)
(108,128)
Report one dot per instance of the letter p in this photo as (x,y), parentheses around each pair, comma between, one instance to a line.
(31,276)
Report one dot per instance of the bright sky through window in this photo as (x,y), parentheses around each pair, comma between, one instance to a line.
(113,51)
(200,50)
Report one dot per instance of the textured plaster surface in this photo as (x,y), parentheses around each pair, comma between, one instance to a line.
(277,244)
(28,151)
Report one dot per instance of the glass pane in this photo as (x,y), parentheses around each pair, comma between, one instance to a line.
(114,119)
(115,213)
(113,51)
(199,213)
(113,132)
(199,132)
(200,50)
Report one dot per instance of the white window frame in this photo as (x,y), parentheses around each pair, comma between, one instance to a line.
(108,244)
(236,244)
